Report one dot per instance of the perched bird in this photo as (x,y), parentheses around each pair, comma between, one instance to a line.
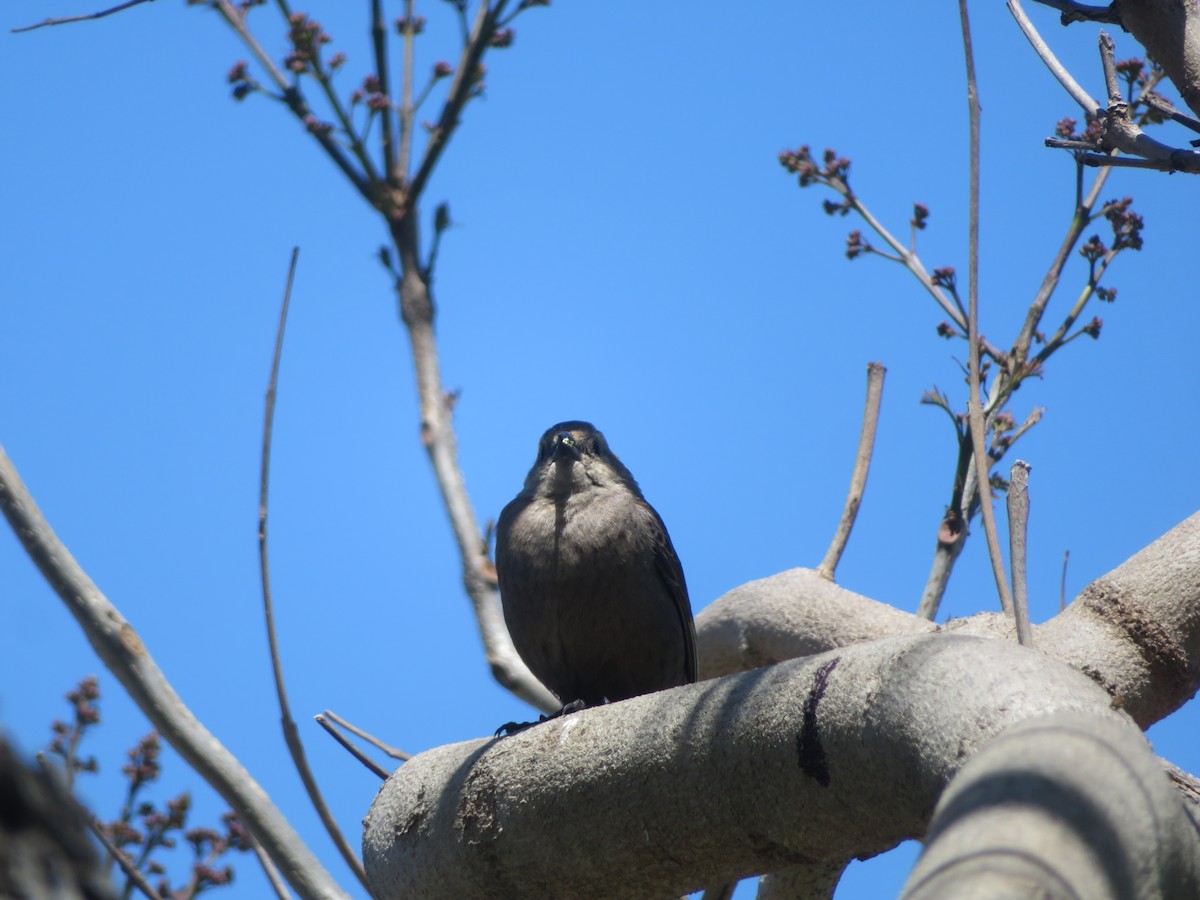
(592,590)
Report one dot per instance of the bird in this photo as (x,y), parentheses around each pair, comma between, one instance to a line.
(593,592)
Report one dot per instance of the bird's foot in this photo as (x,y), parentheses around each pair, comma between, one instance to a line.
(510,728)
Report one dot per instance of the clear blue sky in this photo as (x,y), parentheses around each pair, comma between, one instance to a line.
(628,251)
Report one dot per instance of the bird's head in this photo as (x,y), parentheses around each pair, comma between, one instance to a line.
(574,456)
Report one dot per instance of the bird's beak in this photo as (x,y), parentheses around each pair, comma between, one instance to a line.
(566,448)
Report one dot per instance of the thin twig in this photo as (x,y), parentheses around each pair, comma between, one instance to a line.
(1062,583)
(1057,69)
(393,752)
(379,44)
(909,260)
(268,866)
(122,651)
(460,92)
(862,464)
(1179,161)
(136,878)
(408,112)
(1018,524)
(1167,110)
(290,733)
(295,100)
(352,750)
(1079,221)
(120,7)
(974,406)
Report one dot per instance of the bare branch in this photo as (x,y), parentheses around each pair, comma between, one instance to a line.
(862,464)
(1122,133)
(394,752)
(122,651)
(1167,110)
(120,7)
(295,100)
(407,112)
(290,733)
(1057,69)
(1018,522)
(379,45)
(1179,161)
(1062,582)
(460,92)
(975,409)
(354,751)
(136,878)
(1079,221)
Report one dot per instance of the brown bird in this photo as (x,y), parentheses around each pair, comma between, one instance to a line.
(592,589)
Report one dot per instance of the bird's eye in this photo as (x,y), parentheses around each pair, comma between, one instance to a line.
(595,446)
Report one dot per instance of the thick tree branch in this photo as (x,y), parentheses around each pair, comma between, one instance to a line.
(122,651)
(1069,805)
(1135,631)
(1170,32)
(804,762)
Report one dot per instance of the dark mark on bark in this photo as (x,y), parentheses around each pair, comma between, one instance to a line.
(808,742)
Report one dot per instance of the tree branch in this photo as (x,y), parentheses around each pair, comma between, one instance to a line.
(1069,805)
(387,137)
(1018,521)
(1058,70)
(974,405)
(122,651)
(862,465)
(460,92)
(120,7)
(1135,631)
(295,101)
(291,734)
(712,781)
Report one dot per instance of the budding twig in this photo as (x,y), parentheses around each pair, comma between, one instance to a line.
(136,878)
(862,464)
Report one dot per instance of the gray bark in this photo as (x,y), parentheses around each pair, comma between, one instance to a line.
(799,764)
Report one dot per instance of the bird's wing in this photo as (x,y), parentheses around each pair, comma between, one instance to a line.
(666,561)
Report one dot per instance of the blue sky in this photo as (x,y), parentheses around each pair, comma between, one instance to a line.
(626,250)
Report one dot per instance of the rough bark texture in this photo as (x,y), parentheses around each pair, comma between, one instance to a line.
(1064,806)
(805,762)
(791,766)
(1135,631)
(1170,32)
